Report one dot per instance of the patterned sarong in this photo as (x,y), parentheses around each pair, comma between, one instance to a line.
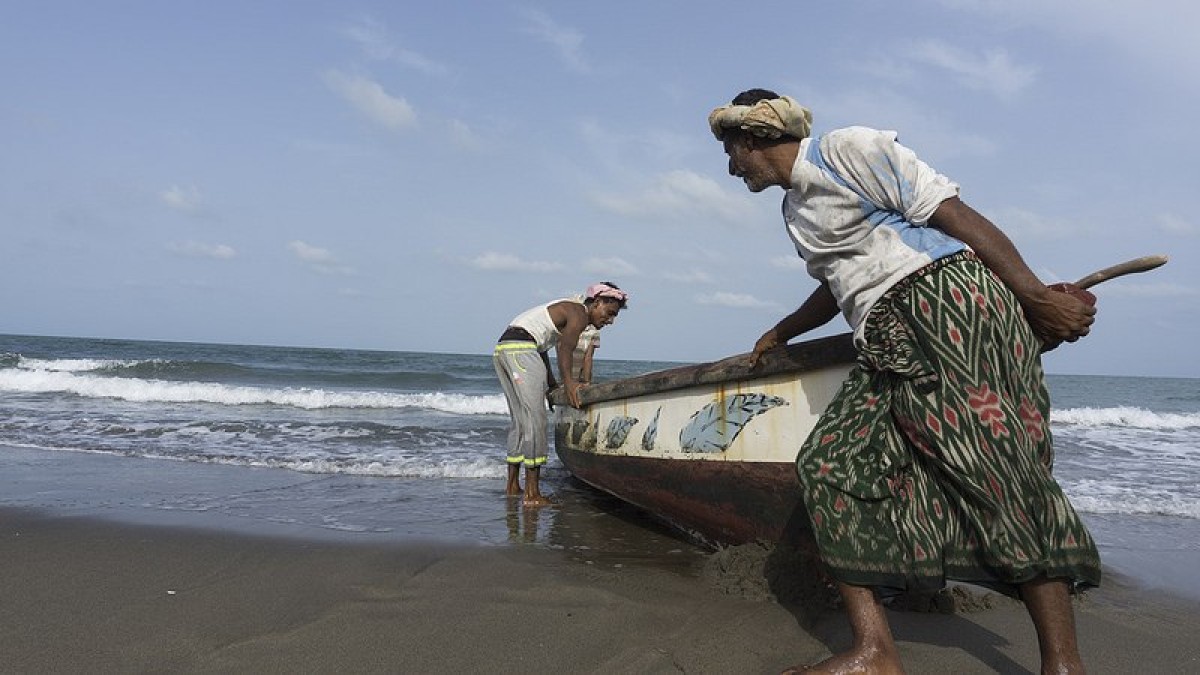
(934,460)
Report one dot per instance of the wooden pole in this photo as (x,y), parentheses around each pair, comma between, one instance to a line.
(1144,264)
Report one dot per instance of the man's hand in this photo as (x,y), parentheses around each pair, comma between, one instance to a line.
(768,341)
(817,310)
(573,394)
(1064,313)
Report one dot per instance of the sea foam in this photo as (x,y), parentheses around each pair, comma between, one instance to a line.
(1124,416)
(1096,497)
(74,365)
(159,391)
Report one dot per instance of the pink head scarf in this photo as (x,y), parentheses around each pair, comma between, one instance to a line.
(605,291)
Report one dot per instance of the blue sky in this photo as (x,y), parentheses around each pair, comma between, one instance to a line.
(409,176)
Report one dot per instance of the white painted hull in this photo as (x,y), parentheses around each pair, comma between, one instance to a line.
(710,448)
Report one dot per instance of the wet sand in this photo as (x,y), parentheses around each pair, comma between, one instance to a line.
(87,595)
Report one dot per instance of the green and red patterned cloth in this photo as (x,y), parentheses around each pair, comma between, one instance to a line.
(934,460)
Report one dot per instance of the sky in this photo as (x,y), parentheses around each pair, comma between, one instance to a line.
(410,176)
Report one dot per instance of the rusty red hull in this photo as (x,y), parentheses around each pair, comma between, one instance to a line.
(720,502)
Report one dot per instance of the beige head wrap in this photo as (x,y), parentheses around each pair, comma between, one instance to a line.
(769,118)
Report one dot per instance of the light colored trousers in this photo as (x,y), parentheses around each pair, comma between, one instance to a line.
(522,375)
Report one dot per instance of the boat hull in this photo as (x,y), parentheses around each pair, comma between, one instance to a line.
(711,448)
(717,502)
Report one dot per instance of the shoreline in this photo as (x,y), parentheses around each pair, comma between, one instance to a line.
(85,594)
(346,508)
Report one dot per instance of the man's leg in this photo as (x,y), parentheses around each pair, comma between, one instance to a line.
(1049,605)
(529,410)
(533,491)
(874,649)
(513,488)
(503,362)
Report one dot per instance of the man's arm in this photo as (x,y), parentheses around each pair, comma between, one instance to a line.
(585,371)
(570,319)
(1054,316)
(818,310)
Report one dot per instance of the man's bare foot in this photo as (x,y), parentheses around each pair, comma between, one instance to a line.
(537,501)
(513,491)
(863,660)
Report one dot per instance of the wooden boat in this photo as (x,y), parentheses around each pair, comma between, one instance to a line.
(708,448)
(711,448)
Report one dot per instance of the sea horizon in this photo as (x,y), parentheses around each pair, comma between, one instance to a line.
(485,350)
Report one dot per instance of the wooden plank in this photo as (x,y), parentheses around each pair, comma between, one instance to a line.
(794,358)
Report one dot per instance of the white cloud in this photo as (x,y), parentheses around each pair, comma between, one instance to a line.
(689,277)
(993,71)
(885,66)
(373,38)
(568,42)
(678,194)
(1160,32)
(196,249)
(334,150)
(369,98)
(609,267)
(318,259)
(463,136)
(928,130)
(618,145)
(1136,290)
(186,199)
(789,262)
(492,261)
(1173,224)
(735,300)
(1018,223)
(309,253)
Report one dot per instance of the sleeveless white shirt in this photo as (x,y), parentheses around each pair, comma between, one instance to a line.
(537,322)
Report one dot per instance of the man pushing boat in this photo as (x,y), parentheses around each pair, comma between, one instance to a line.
(522,363)
(934,460)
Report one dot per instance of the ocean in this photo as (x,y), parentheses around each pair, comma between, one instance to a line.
(352,444)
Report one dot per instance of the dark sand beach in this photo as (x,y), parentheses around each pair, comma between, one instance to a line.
(88,595)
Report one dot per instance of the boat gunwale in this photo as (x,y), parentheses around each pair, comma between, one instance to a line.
(800,357)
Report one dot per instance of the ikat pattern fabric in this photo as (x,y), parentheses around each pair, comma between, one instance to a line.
(934,460)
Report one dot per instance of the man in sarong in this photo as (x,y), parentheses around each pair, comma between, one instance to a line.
(522,363)
(934,460)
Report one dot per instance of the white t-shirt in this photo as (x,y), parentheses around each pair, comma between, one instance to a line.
(857,212)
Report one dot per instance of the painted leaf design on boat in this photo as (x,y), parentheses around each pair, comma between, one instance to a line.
(651,433)
(715,426)
(577,430)
(586,436)
(618,430)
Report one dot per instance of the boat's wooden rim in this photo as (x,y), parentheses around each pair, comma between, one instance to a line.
(794,358)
